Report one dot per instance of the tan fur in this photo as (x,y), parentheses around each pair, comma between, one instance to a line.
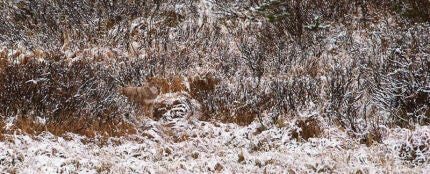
(144,95)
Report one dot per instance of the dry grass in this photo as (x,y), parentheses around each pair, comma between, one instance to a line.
(111,128)
(2,130)
(27,125)
(375,135)
(169,84)
(242,118)
(203,83)
(60,97)
(308,128)
(416,149)
(3,60)
(73,95)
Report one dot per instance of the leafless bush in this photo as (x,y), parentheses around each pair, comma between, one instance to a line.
(307,128)
(265,58)
(343,96)
(47,24)
(77,97)
(413,10)
(416,148)
(403,86)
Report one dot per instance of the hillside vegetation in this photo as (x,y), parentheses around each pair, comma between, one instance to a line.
(267,80)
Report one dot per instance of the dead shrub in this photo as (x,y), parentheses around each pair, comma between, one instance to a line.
(2,130)
(259,130)
(178,84)
(203,84)
(307,128)
(202,88)
(84,126)
(417,147)
(241,157)
(78,97)
(241,101)
(413,10)
(3,62)
(241,104)
(27,125)
(169,84)
(242,118)
(195,155)
(218,167)
(375,135)
(403,86)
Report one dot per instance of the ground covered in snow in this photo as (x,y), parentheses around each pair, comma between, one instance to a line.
(251,86)
(191,146)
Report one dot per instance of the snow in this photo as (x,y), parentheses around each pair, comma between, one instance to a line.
(35,81)
(156,150)
(180,143)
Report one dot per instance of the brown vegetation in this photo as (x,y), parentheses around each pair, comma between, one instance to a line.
(375,135)
(269,62)
(2,130)
(417,147)
(169,84)
(112,128)
(308,128)
(66,97)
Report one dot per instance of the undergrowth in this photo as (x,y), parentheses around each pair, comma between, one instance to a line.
(360,64)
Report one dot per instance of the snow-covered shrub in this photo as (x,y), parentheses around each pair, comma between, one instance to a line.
(79,97)
(403,86)
(2,129)
(417,148)
(372,135)
(266,59)
(233,104)
(132,72)
(345,95)
(307,128)
(46,24)
(413,10)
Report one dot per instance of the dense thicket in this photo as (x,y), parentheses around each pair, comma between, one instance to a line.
(359,64)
